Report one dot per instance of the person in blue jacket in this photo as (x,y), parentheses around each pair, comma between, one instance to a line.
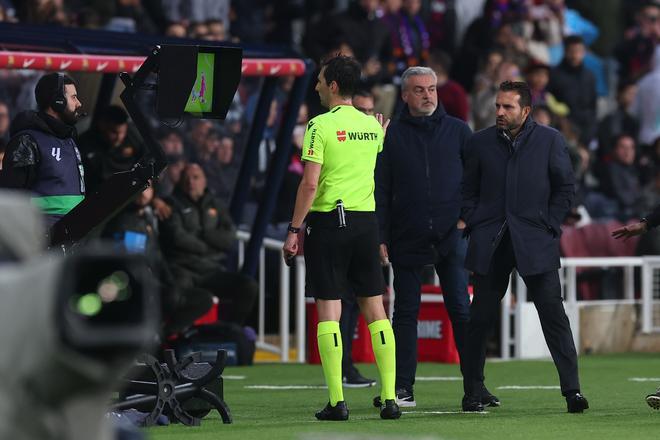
(518,186)
(418,202)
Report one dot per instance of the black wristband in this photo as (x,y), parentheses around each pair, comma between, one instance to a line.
(293,230)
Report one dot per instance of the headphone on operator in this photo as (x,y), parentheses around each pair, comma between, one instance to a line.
(58,102)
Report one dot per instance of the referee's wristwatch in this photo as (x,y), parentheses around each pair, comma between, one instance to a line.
(292,229)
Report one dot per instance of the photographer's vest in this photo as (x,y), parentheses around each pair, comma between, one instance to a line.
(60,183)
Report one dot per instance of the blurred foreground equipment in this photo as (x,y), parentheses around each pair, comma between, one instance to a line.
(184,391)
(70,328)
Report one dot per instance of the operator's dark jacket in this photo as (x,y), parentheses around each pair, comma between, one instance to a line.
(22,156)
(196,238)
(528,183)
(418,185)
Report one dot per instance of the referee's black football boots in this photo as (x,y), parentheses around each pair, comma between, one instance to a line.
(390,410)
(576,403)
(654,399)
(339,412)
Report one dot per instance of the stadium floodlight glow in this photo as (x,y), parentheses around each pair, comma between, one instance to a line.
(69,328)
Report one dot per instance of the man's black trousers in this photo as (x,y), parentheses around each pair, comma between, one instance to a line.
(545,290)
(407,285)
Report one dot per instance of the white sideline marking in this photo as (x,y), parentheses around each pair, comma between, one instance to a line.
(286,387)
(233,377)
(438,378)
(644,379)
(444,412)
(529,387)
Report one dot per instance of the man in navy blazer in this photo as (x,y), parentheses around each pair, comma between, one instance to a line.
(518,186)
(418,204)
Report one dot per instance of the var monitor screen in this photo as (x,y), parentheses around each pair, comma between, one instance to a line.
(198,81)
(200,99)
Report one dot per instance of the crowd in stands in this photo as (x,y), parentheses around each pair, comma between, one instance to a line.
(594,69)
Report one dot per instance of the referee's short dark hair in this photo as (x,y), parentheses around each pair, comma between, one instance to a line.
(345,71)
(521,88)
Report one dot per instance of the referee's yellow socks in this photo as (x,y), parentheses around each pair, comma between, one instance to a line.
(330,349)
(382,341)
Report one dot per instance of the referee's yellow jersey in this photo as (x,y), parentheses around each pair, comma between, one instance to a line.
(345,142)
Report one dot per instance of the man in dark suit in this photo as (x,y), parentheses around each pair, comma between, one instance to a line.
(518,185)
(418,204)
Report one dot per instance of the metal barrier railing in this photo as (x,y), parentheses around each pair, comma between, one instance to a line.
(650,298)
(650,276)
(284,299)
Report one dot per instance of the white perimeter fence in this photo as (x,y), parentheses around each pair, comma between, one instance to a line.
(520,334)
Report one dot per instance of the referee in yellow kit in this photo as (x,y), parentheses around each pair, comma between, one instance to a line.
(341,243)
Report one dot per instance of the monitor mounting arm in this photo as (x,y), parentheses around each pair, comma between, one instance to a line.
(121,188)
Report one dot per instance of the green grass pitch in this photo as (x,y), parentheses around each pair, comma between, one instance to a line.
(618,410)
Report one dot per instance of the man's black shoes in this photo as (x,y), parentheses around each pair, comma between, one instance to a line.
(390,410)
(404,398)
(654,400)
(339,412)
(576,403)
(353,379)
(488,399)
(472,404)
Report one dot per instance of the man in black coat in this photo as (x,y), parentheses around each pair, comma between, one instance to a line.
(517,188)
(418,202)
(195,241)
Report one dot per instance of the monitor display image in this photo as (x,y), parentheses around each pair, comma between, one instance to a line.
(197,81)
(201,96)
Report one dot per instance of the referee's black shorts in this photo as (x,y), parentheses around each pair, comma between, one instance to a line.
(342,262)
